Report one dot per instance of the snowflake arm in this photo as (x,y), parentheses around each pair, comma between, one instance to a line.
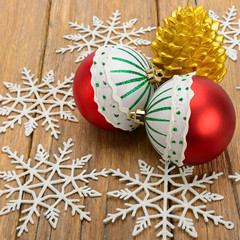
(122,212)
(236,176)
(125,177)
(205,179)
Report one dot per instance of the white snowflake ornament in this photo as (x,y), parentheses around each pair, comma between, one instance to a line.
(46,99)
(230,29)
(51,183)
(109,33)
(158,200)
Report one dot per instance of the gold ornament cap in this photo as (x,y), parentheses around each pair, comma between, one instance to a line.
(155,75)
(138,116)
(187,42)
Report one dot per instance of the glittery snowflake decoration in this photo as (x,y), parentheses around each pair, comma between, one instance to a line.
(35,101)
(236,176)
(230,29)
(31,173)
(109,33)
(158,200)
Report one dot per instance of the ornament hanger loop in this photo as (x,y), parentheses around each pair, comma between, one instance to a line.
(138,116)
(154,75)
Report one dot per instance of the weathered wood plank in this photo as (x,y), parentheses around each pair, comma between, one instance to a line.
(23,30)
(229,161)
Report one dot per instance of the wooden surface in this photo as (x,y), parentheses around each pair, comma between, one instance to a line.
(31,31)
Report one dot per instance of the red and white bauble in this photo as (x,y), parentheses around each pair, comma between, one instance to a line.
(111,82)
(190,120)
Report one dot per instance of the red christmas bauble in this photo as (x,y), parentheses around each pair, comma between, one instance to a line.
(83,94)
(190,120)
(211,124)
(111,82)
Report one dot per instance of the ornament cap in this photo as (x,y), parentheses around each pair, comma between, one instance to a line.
(155,75)
(138,116)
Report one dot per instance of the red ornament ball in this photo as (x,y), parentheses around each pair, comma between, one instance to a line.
(83,94)
(190,120)
(211,124)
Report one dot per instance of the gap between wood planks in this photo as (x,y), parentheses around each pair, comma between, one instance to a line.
(41,64)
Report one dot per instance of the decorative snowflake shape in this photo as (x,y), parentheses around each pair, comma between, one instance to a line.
(113,32)
(230,30)
(37,101)
(58,195)
(158,200)
(236,176)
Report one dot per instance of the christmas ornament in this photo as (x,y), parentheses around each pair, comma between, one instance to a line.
(230,30)
(48,101)
(40,198)
(111,82)
(189,42)
(179,196)
(190,120)
(111,32)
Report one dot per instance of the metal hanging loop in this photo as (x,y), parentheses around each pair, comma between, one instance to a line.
(155,75)
(138,116)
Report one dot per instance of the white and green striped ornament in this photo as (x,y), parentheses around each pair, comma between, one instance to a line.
(167,117)
(120,83)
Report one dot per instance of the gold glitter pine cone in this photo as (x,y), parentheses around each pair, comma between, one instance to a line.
(189,42)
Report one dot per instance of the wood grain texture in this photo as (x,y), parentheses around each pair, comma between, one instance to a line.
(31,33)
(22,45)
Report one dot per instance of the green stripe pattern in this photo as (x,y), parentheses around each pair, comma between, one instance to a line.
(133,84)
(155,122)
(171,102)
